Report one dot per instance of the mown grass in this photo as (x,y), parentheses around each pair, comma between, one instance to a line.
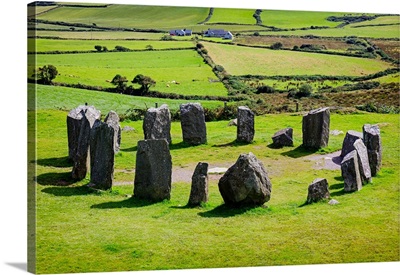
(183,66)
(79,231)
(238,16)
(256,61)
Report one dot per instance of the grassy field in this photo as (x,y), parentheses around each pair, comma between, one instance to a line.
(184,66)
(238,16)
(272,62)
(378,20)
(98,35)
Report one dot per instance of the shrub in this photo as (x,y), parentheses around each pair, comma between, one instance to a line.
(276,46)
(121,49)
(149,47)
(45,74)
(98,48)
(265,89)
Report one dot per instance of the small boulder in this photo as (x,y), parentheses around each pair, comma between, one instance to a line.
(283,138)
(199,189)
(233,122)
(318,190)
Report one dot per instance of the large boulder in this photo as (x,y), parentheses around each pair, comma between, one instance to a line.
(112,119)
(157,123)
(101,156)
(318,190)
(245,124)
(246,183)
(316,128)
(153,170)
(372,140)
(351,172)
(283,138)
(199,189)
(193,123)
(348,141)
(363,161)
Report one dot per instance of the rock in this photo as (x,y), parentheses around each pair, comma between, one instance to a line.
(153,170)
(246,183)
(349,139)
(112,119)
(245,124)
(233,122)
(199,189)
(351,172)
(217,170)
(283,138)
(102,155)
(316,128)
(193,124)
(336,132)
(128,129)
(318,190)
(363,161)
(372,140)
(333,202)
(79,123)
(157,123)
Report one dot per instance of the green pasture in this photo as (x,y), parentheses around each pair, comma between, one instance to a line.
(99,35)
(257,61)
(80,231)
(237,16)
(44,45)
(130,16)
(184,66)
(379,20)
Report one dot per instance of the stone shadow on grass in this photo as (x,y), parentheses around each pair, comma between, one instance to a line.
(67,191)
(180,145)
(224,211)
(299,152)
(55,162)
(55,179)
(234,143)
(132,149)
(131,202)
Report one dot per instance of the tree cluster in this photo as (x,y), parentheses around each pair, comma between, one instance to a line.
(145,83)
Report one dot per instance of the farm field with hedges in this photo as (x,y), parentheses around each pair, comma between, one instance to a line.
(281,66)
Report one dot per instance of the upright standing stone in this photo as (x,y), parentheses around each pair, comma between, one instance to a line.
(246,183)
(318,190)
(316,128)
(351,172)
(283,137)
(193,123)
(245,124)
(157,123)
(112,119)
(199,190)
(348,141)
(372,140)
(363,162)
(79,123)
(153,170)
(101,156)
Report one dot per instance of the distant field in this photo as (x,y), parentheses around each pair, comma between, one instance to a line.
(184,66)
(99,35)
(39,9)
(238,16)
(130,16)
(245,60)
(379,20)
(88,45)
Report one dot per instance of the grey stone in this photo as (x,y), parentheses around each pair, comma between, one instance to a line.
(157,123)
(351,172)
(372,140)
(233,122)
(333,202)
(128,129)
(363,161)
(348,141)
(153,171)
(193,123)
(245,124)
(246,183)
(315,128)
(318,190)
(199,189)
(101,156)
(112,119)
(283,137)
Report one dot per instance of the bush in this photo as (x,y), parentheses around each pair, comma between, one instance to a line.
(276,46)
(121,49)
(265,89)
(98,48)
(305,90)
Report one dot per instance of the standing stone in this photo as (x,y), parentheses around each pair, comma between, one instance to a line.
(318,190)
(74,125)
(199,190)
(246,183)
(153,170)
(372,140)
(245,124)
(193,123)
(157,123)
(79,123)
(351,172)
(101,156)
(348,142)
(112,119)
(283,138)
(316,128)
(363,162)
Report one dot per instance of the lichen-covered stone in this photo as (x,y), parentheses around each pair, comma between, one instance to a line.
(245,124)
(283,138)
(112,119)
(199,189)
(372,140)
(351,172)
(316,128)
(157,123)
(348,141)
(193,123)
(318,190)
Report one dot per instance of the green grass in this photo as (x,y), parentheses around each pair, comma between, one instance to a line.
(238,16)
(99,35)
(379,20)
(44,45)
(74,226)
(278,62)
(184,66)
